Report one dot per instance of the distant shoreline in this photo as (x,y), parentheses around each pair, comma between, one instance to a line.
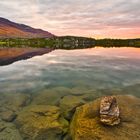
(11,55)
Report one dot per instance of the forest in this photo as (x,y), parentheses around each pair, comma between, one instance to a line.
(67,42)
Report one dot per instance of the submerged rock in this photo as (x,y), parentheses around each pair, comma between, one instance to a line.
(41,122)
(50,96)
(109,111)
(86,124)
(132,89)
(68,105)
(8,131)
(8,116)
(13,102)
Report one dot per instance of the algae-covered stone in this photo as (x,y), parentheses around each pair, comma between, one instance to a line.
(8,116)
(68,105)
(67,137)
(50,96)
(86,123)
(8,131)
(77,91)
(14,102)
(41,122)
(132,89)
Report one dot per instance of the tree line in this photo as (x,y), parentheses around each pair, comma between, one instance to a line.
(67,42)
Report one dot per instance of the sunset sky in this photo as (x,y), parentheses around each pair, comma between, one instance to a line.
(91,18)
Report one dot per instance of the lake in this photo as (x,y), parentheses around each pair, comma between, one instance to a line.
(47,79)
(97,68)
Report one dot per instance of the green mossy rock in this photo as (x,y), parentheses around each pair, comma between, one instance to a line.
(11,104)
(68,105)
(50,96)
(8,116)
(86,123)
(8,131)
(13,101)
(41,122)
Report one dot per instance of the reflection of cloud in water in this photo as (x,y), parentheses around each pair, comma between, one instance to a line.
(132,82)
(97,67)
(52,62)
(23,86)
(118,67)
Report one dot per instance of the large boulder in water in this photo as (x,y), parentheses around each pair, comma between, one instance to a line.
(41,122)
(86,123)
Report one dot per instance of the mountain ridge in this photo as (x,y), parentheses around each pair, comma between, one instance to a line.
(9,29)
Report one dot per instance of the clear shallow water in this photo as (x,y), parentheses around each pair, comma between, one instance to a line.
(97,68)
(63,79)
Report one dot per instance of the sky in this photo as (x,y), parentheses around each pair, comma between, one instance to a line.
(90,18)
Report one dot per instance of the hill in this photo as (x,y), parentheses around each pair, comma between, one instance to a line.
(9,29)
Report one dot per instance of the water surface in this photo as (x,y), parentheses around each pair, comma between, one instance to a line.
(62,79)
(97,68)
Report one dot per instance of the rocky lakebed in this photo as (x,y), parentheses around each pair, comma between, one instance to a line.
(66,114)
